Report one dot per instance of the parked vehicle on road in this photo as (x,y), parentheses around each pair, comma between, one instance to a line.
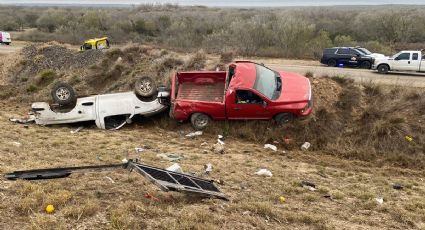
(346,56)
(95,43)
(247,91)
(5,38)
(402,61)
(108,111)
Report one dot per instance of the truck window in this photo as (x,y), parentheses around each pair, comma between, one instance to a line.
(354,52)
(247,97)
(403,56)
(266,81)
(415,57)
(343,51)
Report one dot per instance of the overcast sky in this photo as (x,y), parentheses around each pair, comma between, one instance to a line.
(223,2)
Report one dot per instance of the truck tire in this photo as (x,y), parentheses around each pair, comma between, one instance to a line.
(145,87)
(332,63)
(383,69)
(7,43)
(199,121)
(365,65)
(283,118)
(63,94)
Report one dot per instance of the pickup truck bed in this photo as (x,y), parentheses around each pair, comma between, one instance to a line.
(207,87)
(213,92)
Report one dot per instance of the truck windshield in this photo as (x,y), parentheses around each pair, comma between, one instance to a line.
(268,82)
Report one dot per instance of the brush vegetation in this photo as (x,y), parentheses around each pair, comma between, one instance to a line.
(282,32)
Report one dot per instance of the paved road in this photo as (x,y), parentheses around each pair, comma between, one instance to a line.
(303,66)
(360,75)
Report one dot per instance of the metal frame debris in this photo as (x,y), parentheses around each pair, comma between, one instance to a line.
(164,179)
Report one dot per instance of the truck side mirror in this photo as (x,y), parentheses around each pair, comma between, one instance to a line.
(264,104)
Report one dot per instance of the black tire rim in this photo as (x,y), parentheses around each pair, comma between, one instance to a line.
(201,121)
(63,93)
(145,86)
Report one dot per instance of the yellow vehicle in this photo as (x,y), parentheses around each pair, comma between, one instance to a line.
(95,43)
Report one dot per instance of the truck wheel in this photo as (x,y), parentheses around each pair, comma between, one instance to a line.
(145,87)
(332,63)
(63,94)
(7,43)
(199,121)
(383,69)
(365,65)
(283,118)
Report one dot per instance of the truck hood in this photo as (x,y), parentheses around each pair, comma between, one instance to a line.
(295,88)
(376,55)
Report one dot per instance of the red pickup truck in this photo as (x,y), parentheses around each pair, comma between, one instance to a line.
(247,91)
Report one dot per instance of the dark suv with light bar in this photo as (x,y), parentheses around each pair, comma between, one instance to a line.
(346,56)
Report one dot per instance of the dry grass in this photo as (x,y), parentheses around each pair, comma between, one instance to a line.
(358,151)
(92,201)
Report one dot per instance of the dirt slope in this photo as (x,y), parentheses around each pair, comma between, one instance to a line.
(93,201)
(359,150)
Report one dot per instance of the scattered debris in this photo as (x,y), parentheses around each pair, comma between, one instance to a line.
(305,146)
(164,179)
(380,200)
(110,179)
(409,138)
(308,185)
(282,199)
(175,168)
(204,144)
(17,144)
(27,120)
(139,149)
(264,172)
(169,157)
(246,213)
(398,186)
(328,197)
(287,140)
(218,148)
(269,146)
(220,142)
(77,130)
(50,209)
(194,134)
(151,197)
(208,168)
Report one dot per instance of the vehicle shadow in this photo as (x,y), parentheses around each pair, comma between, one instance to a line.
(401,74)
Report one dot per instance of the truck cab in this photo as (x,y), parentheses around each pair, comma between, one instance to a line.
(247,91)
(413,61)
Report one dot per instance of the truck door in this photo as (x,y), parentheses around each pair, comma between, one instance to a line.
(402,62)
(246,105)
(343,56)
(415,62)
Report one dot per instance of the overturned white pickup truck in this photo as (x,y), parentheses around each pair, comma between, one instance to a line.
(108,111)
